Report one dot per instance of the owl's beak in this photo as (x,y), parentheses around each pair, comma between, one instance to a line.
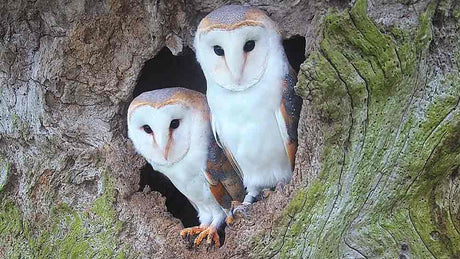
(165,153)
(164,143)
(235,63)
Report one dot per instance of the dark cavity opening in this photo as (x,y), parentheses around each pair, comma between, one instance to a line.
(163,71)
(295,51)
(176,203)
(166,70)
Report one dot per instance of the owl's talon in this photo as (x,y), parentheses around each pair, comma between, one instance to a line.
(241,211)
(230,220)
(192,231)
(211,235)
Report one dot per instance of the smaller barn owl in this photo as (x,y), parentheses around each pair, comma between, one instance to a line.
(171,129)
(250,91)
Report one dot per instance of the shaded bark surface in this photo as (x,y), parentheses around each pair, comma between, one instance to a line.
(377,166)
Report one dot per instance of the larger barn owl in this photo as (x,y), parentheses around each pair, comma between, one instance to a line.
(250,91)
(170,128)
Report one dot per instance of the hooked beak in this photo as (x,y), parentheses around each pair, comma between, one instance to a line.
(164,143)
(235,63)
(165,153)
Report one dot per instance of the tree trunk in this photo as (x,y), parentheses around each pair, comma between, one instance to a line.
(379,150)
(382,101)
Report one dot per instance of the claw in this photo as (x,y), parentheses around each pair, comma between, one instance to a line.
(192,231)
(242,210)
(211,235)
(230,220)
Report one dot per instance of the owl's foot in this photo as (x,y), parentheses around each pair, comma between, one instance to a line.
(249,199)
(192,231)
(230,220)
(211,235)
(242,210)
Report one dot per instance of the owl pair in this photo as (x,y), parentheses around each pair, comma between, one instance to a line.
(249,142)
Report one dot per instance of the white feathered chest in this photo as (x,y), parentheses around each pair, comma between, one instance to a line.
(245,122)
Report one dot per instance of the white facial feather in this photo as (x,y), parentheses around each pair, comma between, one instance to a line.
(153,145)
(237,69)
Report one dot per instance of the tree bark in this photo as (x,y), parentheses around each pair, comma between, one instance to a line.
(384,100)
(379,138)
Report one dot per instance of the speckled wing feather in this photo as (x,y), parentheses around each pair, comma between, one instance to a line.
(223,174)
(288,114)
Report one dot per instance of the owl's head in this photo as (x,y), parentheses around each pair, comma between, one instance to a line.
(233,45)
(162,123)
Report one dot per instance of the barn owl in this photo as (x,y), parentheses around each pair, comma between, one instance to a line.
(171,129)
(250,92)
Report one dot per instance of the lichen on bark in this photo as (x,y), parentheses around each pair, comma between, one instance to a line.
(67,232)
(391,146)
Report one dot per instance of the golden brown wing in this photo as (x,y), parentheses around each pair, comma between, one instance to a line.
(288,115)
(223,174)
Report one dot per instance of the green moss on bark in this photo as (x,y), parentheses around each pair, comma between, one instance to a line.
(14,232)
(389,148)
(67,233)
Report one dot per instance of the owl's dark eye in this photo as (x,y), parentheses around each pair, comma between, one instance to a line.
(249,45)
(174,124)
(147,129)
(218,50)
